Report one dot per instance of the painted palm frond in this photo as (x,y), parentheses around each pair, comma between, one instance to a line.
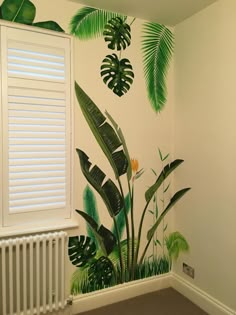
(157,47)
(89,22)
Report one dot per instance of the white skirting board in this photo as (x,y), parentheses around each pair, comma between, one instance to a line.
(199,297)
(89,301)
(86,302)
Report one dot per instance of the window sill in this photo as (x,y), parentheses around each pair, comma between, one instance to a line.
(33,228)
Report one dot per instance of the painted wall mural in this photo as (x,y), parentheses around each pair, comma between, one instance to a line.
(24,11)
(116,71)
(109,256)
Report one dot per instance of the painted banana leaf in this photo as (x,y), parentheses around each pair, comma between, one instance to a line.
(157,47)
(108,190)
(175,244)
(20,11)
(167,170)
(177,196)
(117,34)
(105,238)
(103,132)
(81,250)
(90,207)
(117,74)
(122,139)
(89,22)
(50,25)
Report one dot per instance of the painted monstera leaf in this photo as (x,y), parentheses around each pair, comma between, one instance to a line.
(21,11)
(100,272)
(117,34)
(81,250)
(105,187)
(104,133)
(117,74)
(157,47)
(89,22)
(105,237)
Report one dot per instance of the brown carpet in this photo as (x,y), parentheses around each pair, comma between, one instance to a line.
(163,302)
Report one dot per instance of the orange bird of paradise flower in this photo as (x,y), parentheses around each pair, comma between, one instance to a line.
(134,165)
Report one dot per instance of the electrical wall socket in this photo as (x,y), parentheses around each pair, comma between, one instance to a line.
(188,270)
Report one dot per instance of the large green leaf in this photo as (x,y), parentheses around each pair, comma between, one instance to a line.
(90,207)
(167,170)
(117,33)
(157,46)
(50,25)
(117,74)
(176,243)
(108,190)
(105,237)
(90,22)
(103,132)
(21,11)
(81,250)
(177,196)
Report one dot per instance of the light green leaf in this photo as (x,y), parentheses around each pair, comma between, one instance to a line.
(175,244)
(89,22)
(157,47)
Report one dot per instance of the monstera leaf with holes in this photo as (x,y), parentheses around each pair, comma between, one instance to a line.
(117,33)
(24,11)
(117,74)
(81,250)
(100,272)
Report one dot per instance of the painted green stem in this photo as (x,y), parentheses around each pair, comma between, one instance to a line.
(133,230)
(120,251)
(127,226)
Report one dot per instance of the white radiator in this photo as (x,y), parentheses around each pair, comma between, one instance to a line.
(32,275)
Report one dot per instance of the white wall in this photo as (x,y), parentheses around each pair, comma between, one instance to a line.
(205,135)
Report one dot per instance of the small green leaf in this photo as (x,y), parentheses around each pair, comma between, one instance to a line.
(139,174)
(165,228)
(157,242)
(154,172)
(165,190)
(160,154)
(164,158)
(151,211)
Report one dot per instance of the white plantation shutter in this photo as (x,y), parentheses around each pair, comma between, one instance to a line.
(36,107)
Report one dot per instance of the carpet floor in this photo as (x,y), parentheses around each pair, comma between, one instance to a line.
(163,302)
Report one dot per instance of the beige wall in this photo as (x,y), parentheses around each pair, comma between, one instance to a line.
(205,135)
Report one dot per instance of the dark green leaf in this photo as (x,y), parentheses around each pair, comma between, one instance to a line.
(157,46)
(151,211)
(108,190)
(81,250)
(117,33)
(117,74)
(103,132)
(177,196)
(168,186)
(157,242)
(105,237)
(101,271)
(165,228)
(20,11)
(167,170)
(139,174)
(154,172)
(89,22)
(50,25)
(160,154)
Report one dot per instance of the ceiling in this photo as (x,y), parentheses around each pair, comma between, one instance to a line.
(168,12)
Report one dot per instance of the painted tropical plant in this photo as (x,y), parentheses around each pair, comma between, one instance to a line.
(117,72)
(104,258)
(24,11)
